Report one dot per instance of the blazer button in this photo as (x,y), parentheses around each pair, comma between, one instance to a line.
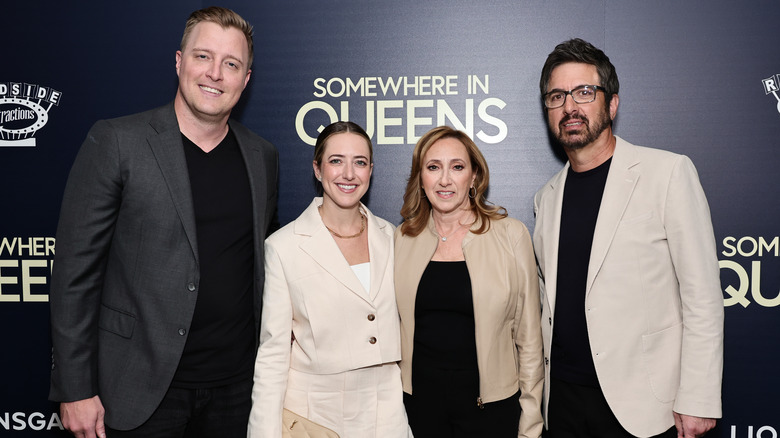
(191,287)
(550,320)
(371,317)
(372,340)
(182,332)
(546,361)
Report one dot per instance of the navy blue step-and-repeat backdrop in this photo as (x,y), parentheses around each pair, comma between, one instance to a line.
(700,78)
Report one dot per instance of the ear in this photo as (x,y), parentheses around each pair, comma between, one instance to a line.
(178,62)
(316,170)
(613,106)
(246,80)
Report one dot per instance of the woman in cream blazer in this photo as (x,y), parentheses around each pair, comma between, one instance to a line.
(329,289)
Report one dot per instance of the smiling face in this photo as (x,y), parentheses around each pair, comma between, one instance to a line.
(345,169)
(576,125)
(447,176)
(212,71)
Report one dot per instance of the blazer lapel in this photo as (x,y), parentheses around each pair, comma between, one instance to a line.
(321,247)
(379,246)
(255,169)
(621,180)
(168,149)
(553,204)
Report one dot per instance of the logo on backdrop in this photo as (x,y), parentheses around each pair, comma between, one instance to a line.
(24,109)
(753,432)
(772,86)
(25,269)
(33,420)
(398,110)
(746,257)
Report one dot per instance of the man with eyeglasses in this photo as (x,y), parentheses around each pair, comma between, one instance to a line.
(632,311)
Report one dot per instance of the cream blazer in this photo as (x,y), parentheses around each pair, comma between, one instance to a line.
(311,292)
(653,303)
(505,292)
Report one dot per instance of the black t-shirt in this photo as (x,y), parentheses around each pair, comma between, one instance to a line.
(221,343)
(571,357)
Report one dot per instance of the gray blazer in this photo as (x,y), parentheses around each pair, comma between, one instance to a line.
(126,278)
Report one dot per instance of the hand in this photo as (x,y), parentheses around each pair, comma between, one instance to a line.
(84,418)
(692,427)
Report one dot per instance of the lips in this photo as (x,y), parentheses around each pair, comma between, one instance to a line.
(347,187)
(573,121)
(573,125)
(210,90)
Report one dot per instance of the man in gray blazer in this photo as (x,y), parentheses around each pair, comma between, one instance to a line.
(632,310)
(156,293)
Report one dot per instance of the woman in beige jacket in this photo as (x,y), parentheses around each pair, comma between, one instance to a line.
(468,297)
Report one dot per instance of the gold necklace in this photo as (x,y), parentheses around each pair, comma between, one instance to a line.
(362,228)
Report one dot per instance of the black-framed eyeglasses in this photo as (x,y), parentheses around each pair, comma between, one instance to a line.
(581,94)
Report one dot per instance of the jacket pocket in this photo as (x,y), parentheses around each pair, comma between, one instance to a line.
(636,219)
(117,322)
(661,352)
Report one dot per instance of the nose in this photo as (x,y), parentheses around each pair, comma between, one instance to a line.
(215,71)
(349,171)
(445,178)
(569,105)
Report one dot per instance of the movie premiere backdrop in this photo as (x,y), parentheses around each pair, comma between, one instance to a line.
(701,78)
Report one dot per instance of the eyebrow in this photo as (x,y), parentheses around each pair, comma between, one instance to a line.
(439,160)
(561,89)
(344,156)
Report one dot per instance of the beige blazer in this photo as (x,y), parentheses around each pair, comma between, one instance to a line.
(505,293)
(311,292)
(653,303)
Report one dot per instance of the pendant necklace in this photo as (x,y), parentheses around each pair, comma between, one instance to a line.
(444,238)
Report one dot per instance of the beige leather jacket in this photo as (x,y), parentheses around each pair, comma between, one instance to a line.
(505,291)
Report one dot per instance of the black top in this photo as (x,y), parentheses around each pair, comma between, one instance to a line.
(221,342)
(571,355)
(444,318)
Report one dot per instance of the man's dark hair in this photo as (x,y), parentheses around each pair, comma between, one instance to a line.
(577,50)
